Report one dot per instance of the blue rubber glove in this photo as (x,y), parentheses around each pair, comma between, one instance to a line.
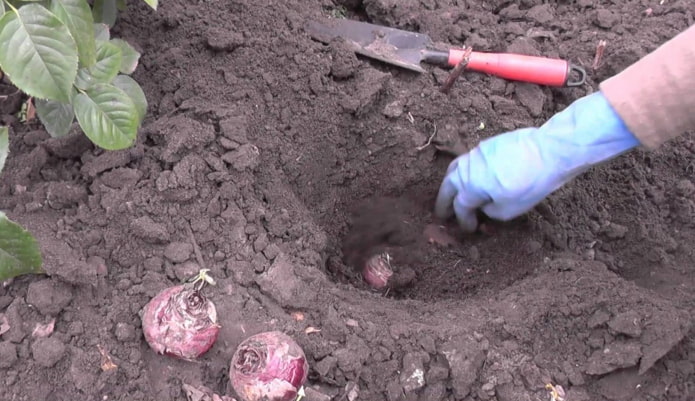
(507,175)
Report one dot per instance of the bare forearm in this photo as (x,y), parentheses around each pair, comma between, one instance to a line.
(655,96)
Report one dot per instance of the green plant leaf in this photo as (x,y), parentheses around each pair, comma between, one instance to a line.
(19,3)
(152,3)
(2,7)
(108,63)
(108,116)
(19,250)
(128,85)
(38,53)
(4,145)
(105,11)
(102,32)
(129,61)
(57,117)
(77,16)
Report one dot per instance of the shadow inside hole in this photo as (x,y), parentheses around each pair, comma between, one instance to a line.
(454,265)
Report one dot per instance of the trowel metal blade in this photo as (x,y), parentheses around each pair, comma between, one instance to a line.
(390,45)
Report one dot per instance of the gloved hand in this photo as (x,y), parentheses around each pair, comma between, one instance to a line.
(509,174)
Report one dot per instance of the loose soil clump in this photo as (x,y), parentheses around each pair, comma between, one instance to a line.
(288,162)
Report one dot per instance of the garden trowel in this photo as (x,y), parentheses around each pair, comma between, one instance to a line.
(409,49)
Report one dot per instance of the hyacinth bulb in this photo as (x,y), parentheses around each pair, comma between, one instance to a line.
(377,271)
(268,366)
(181,322)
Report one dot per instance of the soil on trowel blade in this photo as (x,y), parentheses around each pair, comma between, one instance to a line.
(287,161)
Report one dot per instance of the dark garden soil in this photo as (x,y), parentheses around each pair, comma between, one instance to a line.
(287,160)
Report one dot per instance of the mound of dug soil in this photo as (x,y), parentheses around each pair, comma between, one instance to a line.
(287,161)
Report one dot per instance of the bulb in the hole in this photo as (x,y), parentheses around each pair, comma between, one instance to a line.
(377,271)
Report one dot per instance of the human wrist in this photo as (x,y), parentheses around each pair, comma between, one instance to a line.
(596,121)
(588,132)
(654,95)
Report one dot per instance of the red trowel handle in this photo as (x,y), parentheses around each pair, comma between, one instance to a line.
(520,67)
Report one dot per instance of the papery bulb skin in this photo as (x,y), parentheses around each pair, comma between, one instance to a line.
(377,271)
(180,322)
(268,366)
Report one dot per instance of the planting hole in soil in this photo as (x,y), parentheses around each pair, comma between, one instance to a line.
(284,166)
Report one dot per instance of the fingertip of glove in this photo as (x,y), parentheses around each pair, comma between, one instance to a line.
(443,210)
(443,206)
(454,164)
(468,222)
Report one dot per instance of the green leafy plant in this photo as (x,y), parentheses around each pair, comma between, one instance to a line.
(19,251)
(60,52)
